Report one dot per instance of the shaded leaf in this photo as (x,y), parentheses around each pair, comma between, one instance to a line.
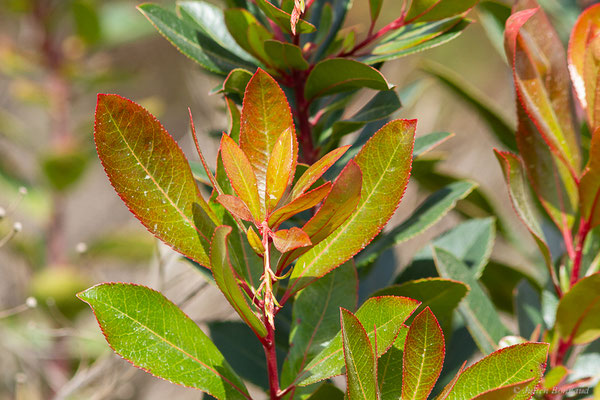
(340,75)
(577,315)
(285,56)
(327,391)
(151,175)
(493,16)
(389,368)
(290,239)
(248,32)
(501,280)
(589,186)
(433,10)
(528,307)
(423,144)
(375,8)
(142,326)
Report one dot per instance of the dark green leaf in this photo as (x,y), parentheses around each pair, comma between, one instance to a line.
(529,309)
(236,82)
(64,169)
(389,369)
(285,56)
(577,315)
(248,32)
(327,392)
(282,18)
(433,10)
(424,144)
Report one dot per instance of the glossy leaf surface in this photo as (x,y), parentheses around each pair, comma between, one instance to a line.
(151,175)
(424,351)
(361,362)
(304,202)
(577,315)
(339,75)
(316,171)
(385,162)
(142,326)
(281,167)
(290,239)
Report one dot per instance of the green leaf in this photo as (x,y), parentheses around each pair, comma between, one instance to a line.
(191,42)
(242,178)
(442,296)
(414,38)
(227,281)
(589,186)
(63,169)
(505,367)
(142,326)
(577,315)
(304,202)
(429,212)
(248,32)
(282,18)
(338,75)
(87,21)
(423,144)
(389,368)
(265,116)
(382,190)
(136,151)
(210,20)
(387,313)
(542,81)
(555,376)
(507,392)
(316,171)
(498,123)
(528,308)
(375,7)
(433,10)
(360,358)
(481,318)
(236,82)
(501,281)
(492,16)
(424,352)
(281,167)
(285,56)
(315,317)
(327,391)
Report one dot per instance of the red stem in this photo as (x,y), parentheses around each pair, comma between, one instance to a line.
(397,23)
(271,356)
(309,152)
(584,229)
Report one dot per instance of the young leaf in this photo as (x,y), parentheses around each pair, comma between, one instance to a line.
(340,75)
(375,8)
(387,313)
(424,352)
(265,116)
(589,186)
(382,189)
(389,368)
(281,167)
(361,362)
(577,315)
(249,34)
(135,151)
(429,212)
(282,18)
(227,281)
(327,391)
(583,64)
(286,240)
(242,178)
(235,206)
(304,202)
(481,318)
(542,79)
(510,365)
(142,326)
(433,10)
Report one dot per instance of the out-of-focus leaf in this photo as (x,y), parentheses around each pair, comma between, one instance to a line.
(433,10)
(285,56)
(241,175)
(135,151)
(234,119)
(499,124)
(389,368)
(315,171)
(282,18)
(383,186)
(315,317)
(375,7)
(423,144)
(431,211)
(227,281)
(589,186)
(542,79)
(518,363)
(236,82)
(340,75)
(248,32)
(493,16)
(64,169)
(87,21)
(265,116)
(360,358)
(281,168)
(481,317)
(500,280)
(199,173)
(125,246)
(340,9)
(387,313)
(304,202)
(528,307)
(120,23)
(327,391)
(424,352)
(577,315)
(417,37)
(192,42)
(583,61)
(554,377)
(290,239)
(142,326)
(442,296)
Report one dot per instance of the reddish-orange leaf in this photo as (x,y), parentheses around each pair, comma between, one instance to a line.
(265,116)
(589,186)
(235,206)
(584,61)
(542,79)
(240,174)
(315,171)
(304,202)
(151,174)
(290,239)
(280,170)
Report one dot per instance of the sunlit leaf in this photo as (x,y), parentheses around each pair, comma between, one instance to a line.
(589,186)
(315,171)
(281,167)
(235,206)
(577,315)
(290,239)
(306,201)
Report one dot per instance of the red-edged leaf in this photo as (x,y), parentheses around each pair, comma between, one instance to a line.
(508,392)
(304,202)
(423,357)
(281,167)
(315,171)
(255,241)
(290,239)
(385,162)
(589,186)
(444,394)
(152,176)
(240,174)
(583,61)
(227,282)
(542,79)
(265,116)
(235,206)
